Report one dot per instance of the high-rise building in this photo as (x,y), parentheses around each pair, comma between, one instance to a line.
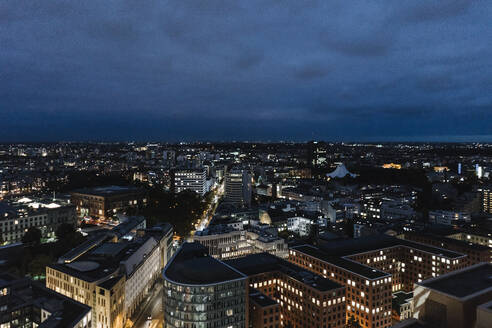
(486,192)
(238,187)
(190,179)
(201,291)
(169,157)
(317,153)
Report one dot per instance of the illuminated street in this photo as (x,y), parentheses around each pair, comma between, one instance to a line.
(152,309)
(209,213)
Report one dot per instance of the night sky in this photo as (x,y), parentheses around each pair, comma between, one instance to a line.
(245,70)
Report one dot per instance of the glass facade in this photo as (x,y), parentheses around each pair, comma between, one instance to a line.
(209,306)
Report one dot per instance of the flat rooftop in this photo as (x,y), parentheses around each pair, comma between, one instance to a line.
(463,283)
(193,266)
(450,241)
(99,260)
(260,298)
(108,190)
(353,266)
(255,264)
(26,293)
(373,243)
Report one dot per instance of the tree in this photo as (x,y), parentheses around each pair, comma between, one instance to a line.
(64,230)
(67,238)
(32,237)
(37,267)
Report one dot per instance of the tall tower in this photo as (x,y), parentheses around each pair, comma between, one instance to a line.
(238,187)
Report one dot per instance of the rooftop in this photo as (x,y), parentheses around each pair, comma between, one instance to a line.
(341,262)
(463,283)
(260,298)
(192,265)
(108,190)
(255,264)
(65,312)
(372,243)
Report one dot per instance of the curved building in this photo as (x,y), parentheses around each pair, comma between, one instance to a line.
(202,292)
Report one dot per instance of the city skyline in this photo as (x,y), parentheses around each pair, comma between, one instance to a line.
(222,71)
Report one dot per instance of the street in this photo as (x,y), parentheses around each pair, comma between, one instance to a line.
(153,309)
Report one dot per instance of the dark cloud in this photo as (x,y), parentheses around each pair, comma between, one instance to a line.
(309,72)
(436,10)
(218,69)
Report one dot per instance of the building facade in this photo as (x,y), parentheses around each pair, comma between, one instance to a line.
(17,216)
(190,179)
(111,275)
(28,304)
(372,268)
(104,202)
(456,299)
(238,187)
(200,291)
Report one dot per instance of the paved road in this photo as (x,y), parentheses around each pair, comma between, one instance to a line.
(153,309)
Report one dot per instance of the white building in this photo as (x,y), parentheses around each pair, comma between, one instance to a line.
(224,242)
(17,216)
(142,268)
(190,179)
(299,225)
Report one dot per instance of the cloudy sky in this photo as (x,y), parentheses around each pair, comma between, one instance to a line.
(245,70)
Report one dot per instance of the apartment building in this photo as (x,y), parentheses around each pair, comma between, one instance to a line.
(372,268)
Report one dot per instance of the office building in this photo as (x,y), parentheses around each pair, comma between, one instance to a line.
(264,312)
(225,242)
(475,252)
(448,217)
(201,291)
(169,157)
(190,179)
(111,274)
(459,299)
(104,202)
(306,299)
(372,268)
(238,187)
(258,290)
(45,214)
(486,195)
(25,303)
(482,238)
